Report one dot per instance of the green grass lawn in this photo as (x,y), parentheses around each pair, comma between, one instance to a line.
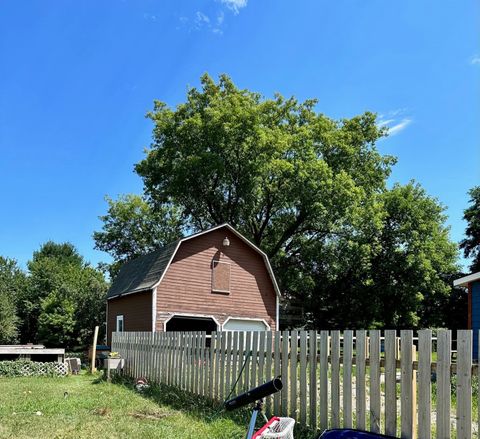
(93,408)
(38,408)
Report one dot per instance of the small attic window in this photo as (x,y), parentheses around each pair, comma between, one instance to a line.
(221,277)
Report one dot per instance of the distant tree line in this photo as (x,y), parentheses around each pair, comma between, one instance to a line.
(57,301)
(348,249)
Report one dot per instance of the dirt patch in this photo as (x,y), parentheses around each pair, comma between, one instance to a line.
(102,411)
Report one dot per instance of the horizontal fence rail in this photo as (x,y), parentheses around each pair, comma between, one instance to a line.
(390,381)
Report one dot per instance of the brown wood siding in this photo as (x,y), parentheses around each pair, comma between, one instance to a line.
(187,285)
(136,310)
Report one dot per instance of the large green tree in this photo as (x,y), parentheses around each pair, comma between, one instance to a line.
(273,168)
(389,273)
(65,298)
(12,284)
(310,190)
(471,244)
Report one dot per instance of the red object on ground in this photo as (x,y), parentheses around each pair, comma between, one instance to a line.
(258,434)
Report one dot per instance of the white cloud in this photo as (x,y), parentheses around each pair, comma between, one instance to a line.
(201,19)
(475,59)
(383,123)
(398,127)
(394,121)
(220,18)
(235,5)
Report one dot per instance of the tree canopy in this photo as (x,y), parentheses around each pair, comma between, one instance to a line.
(63,298)
(311,191)
(273,168)
(471,244)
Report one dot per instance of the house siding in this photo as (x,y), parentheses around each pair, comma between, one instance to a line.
(187,285)
(136,310)
(474,288)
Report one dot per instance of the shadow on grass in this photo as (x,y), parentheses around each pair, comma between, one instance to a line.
(196,406)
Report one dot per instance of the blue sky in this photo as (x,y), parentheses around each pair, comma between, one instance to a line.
(76,79)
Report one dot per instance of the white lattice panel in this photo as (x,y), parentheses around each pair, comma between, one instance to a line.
(44,369)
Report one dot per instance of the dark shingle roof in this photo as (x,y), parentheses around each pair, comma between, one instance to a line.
(142,273)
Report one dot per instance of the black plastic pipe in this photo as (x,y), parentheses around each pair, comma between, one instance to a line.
(255,394)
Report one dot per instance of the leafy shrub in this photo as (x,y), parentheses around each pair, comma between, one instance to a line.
(29,368)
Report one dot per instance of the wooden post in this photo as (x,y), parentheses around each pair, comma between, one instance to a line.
(94,349)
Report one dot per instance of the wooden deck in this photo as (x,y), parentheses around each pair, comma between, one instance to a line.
(28,352)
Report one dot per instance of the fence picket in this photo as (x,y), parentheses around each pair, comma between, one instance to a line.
(464,384)
(223,343)
(191,353)
(205,357)
(234,361)
(248,361)
(360,384)
(269,373)
(196,362)
(211,368)
(335,396)
(324,350)
(312,362)
(406,419)
(241,360)
(375,404)
(303,377)
(277,370)
(261,358)
(216,366)
(201,363)
(253,380)
(347,378)
(424,383)
(293,373)
(444,343)
(390,382)
(228,363)
(284,392)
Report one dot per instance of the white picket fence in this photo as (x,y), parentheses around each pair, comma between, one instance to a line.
(370,380)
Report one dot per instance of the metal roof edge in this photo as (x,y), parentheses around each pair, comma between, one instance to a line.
(465,280)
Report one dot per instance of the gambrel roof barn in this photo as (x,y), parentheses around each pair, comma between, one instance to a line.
(212,280)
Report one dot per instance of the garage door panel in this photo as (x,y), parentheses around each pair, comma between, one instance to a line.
(239,324)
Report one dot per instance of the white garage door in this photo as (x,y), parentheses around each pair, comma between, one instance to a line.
(244,325)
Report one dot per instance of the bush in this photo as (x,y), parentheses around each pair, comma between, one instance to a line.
(20,368)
